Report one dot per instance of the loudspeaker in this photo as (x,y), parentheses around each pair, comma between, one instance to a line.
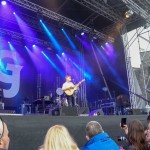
(137,111)
(8,111)
(83,110)
(96,112)
(69,111)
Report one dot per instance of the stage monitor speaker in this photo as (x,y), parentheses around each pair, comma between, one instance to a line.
(137,111)
(96,112)
(8,111)
(83,110)
(69,111)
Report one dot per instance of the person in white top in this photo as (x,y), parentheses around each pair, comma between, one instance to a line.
(67,86)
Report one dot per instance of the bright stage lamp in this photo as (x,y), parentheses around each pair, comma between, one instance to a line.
(82,33)
(3,3)
(128,13)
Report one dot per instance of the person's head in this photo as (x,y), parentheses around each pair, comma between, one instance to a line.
(4,134)
(93,128)
(58,138)
(136,135)
(68,78)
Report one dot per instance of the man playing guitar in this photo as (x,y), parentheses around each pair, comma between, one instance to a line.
(68,85)
(69,88)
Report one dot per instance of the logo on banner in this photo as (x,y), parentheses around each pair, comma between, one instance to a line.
(13,79)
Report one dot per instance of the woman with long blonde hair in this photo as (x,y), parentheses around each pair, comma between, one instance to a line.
(58,138)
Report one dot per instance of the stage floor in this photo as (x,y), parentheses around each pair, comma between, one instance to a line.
(27,132)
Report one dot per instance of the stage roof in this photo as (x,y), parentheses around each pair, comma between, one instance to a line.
(80,11)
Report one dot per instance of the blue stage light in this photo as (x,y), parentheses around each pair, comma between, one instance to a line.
(34,46)
(14,13)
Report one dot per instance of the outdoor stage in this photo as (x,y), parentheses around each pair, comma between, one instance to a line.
(27,132)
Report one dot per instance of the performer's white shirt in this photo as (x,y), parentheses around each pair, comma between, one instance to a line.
(67,85)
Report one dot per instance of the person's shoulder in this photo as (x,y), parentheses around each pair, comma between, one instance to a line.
(85,148)
(131,147)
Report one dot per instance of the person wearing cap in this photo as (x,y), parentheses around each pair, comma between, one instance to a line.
(97,139)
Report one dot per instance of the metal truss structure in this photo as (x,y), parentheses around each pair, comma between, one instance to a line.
(138,78)
(137,9)
(57,17)
(102,8)
(128,67)
(20,39)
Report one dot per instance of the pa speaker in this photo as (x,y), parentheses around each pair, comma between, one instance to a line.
(83,110)
(137,111)
(69,111)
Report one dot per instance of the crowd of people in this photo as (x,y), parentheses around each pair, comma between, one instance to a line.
(59,138)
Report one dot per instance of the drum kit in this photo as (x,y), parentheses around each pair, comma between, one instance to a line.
(61,100)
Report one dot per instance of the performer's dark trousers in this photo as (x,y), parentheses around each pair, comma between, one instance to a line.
(70,100)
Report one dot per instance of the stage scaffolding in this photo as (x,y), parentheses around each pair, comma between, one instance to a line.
(138,78)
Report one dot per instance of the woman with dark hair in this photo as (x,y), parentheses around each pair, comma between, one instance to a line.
(136,136)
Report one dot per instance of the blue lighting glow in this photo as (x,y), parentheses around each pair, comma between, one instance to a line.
(27,48)
(13,50)
(86,75)
(52,63)
(51,37)
(102,47)
(11,47)
(69,40)
(34,46)
(110,67)
(14,13)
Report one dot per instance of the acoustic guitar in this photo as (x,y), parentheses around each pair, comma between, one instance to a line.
(71,91)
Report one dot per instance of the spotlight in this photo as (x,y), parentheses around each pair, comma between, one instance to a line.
(8,42)
(40,20)
(62,29)
(14,13)
(106,43)
(34,46)
(3,3)
(75,35)
(128,13)
(63,53)
(82,33)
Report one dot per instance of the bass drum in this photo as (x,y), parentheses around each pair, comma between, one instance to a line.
(59,91)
